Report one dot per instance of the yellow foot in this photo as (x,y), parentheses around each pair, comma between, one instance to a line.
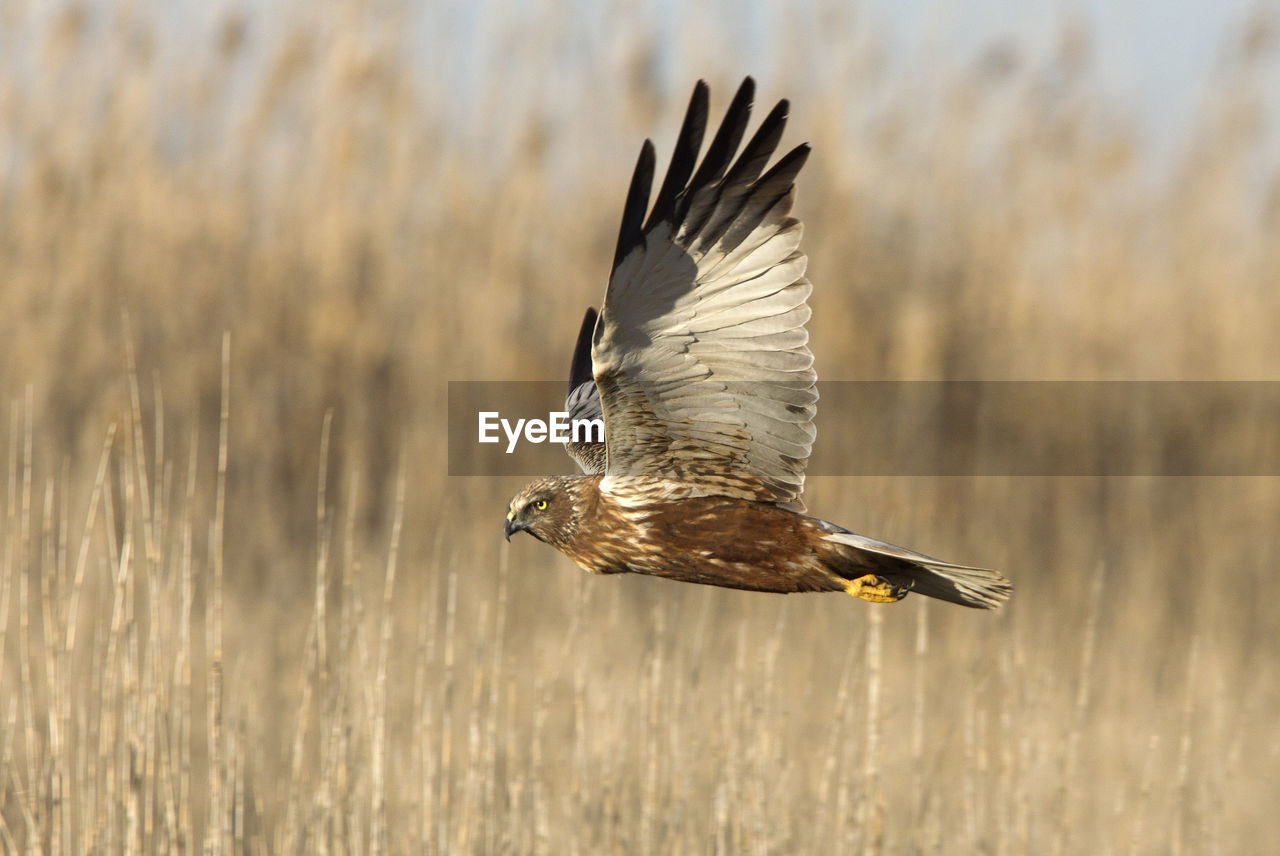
(874,589)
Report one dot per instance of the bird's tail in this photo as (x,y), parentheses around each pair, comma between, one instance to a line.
(880,572)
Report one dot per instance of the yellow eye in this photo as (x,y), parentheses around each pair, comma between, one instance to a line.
(541,505)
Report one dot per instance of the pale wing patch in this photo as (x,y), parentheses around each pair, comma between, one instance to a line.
(715,384)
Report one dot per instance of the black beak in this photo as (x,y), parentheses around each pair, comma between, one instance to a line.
(511,527)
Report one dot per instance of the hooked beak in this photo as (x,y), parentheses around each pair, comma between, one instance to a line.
(512,525)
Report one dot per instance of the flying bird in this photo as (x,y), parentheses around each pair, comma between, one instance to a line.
(698,363)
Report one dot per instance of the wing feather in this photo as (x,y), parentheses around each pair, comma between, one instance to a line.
(739,184)
(685,156)
(703,191)
(583,399)
(700,354)
(631,232)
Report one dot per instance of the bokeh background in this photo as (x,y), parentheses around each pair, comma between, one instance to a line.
(256,615)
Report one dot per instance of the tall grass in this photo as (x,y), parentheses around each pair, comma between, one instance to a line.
(242,609)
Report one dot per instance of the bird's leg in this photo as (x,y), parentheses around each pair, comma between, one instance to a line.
(875,589)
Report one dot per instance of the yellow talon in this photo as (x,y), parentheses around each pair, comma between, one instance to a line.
(874,589)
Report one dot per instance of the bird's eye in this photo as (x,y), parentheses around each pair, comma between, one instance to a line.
(541,505)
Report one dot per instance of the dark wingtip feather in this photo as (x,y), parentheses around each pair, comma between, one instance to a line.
(679,188)
(685,155)
(725,143)
(762,144)
(580,368)
(789,164)
(630,234)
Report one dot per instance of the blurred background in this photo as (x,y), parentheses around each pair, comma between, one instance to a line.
(214,633)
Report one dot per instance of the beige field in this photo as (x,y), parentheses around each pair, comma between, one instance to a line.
(257,615)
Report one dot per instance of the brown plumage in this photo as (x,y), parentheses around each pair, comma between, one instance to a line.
(699,365)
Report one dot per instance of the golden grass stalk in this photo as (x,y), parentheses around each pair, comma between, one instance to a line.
(216,834)
(378,749)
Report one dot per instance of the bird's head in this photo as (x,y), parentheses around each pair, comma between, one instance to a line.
(546,509)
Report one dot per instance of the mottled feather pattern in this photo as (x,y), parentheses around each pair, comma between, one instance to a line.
(654,528)
(583,403)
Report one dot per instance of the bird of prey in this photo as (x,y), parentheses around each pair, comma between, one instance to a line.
(698,363)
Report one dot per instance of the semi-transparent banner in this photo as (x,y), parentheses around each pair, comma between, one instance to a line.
(934,428)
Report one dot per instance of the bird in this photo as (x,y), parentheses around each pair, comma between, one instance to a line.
(699,366)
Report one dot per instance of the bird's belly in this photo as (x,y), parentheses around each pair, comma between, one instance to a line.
(758,564)
(710,540)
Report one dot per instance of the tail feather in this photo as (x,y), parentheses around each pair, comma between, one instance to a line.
(856,555)
(976,587)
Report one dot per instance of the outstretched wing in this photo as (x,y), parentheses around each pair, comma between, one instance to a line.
(583,400)
(701,355)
